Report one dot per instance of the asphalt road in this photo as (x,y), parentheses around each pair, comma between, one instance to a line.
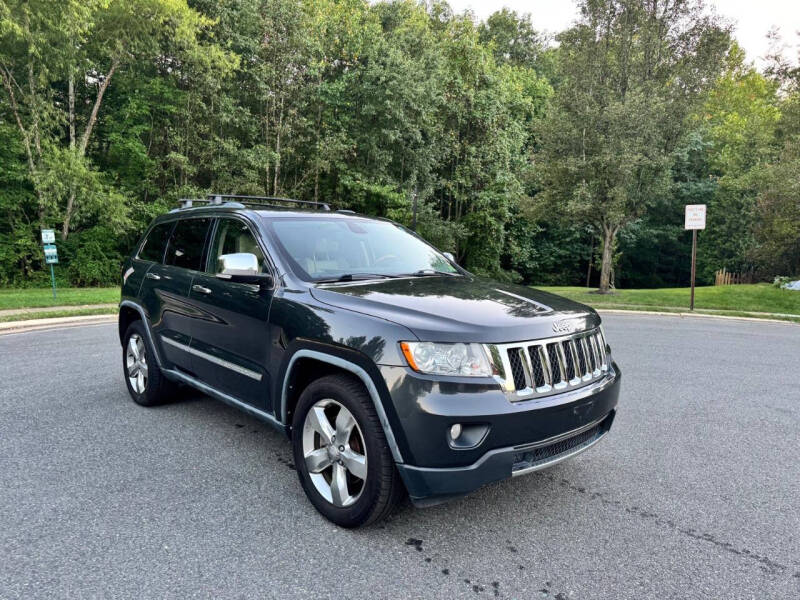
(695,493)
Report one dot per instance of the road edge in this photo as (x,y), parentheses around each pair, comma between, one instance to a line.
(54,323)
(692,315)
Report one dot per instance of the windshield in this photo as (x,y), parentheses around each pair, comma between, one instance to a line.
(331,249)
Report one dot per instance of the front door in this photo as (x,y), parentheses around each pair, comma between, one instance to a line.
(230,331)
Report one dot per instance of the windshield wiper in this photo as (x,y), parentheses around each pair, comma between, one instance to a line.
(430,273)
(356,277)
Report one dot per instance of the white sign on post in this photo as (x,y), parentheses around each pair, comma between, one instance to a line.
(48,236)
(695,216)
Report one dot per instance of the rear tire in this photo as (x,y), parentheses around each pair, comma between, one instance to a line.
(145,381)
(351,480)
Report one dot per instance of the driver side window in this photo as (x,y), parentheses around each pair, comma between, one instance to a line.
(232,236)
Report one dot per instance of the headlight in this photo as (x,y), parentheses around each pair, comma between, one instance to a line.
(447,359)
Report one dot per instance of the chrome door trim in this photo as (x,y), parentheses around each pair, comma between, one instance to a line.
(176,375)
(214,359)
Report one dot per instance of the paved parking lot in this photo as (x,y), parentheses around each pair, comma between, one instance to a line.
(695,494)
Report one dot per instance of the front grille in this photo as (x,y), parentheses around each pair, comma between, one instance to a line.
(542,454)
(565,347)
(542,368)
(517,370)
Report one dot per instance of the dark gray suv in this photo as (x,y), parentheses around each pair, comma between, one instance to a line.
(392,369)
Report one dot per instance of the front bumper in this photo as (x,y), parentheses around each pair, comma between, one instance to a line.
(521,436)
(428,486)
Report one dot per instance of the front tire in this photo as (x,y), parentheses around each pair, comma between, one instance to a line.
(145,381)
(342,457)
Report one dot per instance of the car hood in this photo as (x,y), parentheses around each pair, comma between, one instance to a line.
(462,309)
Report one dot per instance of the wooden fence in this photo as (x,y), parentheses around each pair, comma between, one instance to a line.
(723,277)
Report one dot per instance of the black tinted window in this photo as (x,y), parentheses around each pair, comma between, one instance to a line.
(153,248)
(186,244)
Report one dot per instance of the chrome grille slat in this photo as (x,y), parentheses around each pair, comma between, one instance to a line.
(601,342)
(587,348)
(576,374)
(528,367)
(548,366)
(548,369)
(537,370)
(595,354)
(562,364)
(517,368)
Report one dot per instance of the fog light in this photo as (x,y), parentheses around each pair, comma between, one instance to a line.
(455,431)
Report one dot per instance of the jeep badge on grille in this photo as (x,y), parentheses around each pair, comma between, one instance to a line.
(563,326)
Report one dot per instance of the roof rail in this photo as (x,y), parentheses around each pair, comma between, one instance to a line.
(238,201)
(264,201)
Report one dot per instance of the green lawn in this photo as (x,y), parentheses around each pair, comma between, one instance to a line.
(42,297)
(740,299)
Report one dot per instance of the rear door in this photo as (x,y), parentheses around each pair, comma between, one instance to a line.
(151,252)
(230,334)
(165,291)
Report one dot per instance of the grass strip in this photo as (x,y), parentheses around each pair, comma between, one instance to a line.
(58,313)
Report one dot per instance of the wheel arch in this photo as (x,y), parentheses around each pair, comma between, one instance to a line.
(130,312)
(307,365)
(127,315)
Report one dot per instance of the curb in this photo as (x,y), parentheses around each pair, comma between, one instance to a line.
(691,315)
(58,322)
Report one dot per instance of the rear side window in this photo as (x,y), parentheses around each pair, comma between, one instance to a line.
(186,244)
(153,248)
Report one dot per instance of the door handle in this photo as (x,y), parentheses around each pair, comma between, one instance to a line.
(152,276)
(200,289)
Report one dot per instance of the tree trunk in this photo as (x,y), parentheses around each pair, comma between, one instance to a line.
(318,128)
(84,139)
(71,104)
(71,200)
(96,108)
(275,188)
(606,266)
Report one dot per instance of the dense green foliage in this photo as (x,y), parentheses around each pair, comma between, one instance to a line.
(529,161)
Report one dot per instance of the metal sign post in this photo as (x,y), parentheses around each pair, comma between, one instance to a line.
(50,254)
(695,219)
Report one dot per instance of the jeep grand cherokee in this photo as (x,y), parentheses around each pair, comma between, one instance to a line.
(392,369)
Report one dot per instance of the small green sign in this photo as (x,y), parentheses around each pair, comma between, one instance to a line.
(50,254)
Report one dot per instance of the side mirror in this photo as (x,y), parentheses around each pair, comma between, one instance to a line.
(242,267)
(449,256)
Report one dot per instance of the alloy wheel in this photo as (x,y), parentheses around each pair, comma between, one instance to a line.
(136,363)
(334,452)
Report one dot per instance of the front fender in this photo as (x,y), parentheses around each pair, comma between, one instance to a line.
(353,362)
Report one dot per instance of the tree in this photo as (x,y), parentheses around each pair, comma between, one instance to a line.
(739,121)
(631,71)
(776,248)
(46,47)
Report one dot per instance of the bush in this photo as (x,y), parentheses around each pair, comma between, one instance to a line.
(93,257)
